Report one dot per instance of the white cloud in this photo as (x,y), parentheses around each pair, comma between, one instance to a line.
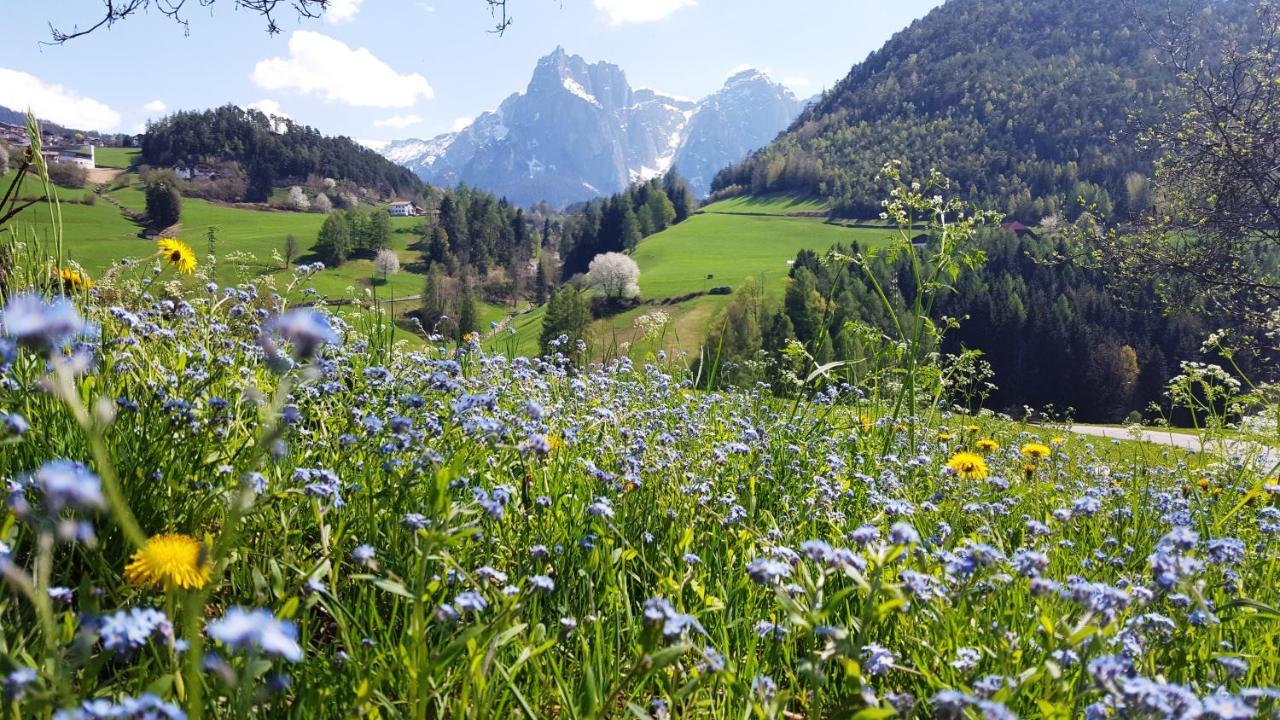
(341,11)
(461,123)
(320,65)
(398,122)
(155,106)
(797,83)
(637,11)
(269,107)
(19,91)
(425,7)
(374,144)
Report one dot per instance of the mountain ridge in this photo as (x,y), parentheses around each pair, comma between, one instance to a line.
(1026,106)
(579,131)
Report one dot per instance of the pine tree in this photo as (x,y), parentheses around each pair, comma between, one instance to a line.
(377,231)
(438,246)
(468,315)
(568,314)
(629,230)
(334,243)
(164,204)
(453,218)
(540,282)
(678,192)
(803,305)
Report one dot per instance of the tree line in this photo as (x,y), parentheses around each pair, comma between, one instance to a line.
(1052,332)
(272,151)
(1006,99)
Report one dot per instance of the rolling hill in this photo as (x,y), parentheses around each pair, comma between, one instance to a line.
(1025,104)
(730,241)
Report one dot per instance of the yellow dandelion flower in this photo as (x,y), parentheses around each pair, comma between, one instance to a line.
(1036,451)
(1029,469)
(172,561)
(971,428)
(74,279)
(1057,440)
(988,445)
(554,443)
(178,254)
(944,437)
(865,422)
(969,466)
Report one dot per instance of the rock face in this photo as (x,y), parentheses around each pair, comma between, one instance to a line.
(743,116)
(580,131)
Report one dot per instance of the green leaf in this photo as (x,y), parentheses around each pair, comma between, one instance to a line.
(393,587)
(874,713)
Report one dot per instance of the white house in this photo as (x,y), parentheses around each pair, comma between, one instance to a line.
(82,156)
(195,172)
(403,209)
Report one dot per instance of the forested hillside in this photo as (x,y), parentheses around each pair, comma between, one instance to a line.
(1026,104)
(272,151)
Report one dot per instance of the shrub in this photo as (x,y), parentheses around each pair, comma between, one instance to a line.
(164,203)
(68,175)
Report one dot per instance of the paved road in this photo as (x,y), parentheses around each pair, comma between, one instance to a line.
(1269,456)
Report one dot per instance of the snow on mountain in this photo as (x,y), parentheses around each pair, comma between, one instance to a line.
(580,131)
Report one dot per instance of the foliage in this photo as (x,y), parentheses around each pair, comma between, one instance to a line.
(615,274)
(334,244)
(386,263)
(273,151)
(68,175)
(618,223)
(164,203)
(1211,238)
(475,231)
(297,199)
(565,324)
(514,536)
(1001,96)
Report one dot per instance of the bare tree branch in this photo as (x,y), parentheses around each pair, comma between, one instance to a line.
(116,10)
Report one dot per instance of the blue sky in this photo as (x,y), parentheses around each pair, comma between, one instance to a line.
(378,70)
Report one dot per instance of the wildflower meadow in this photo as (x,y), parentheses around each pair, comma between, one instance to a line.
(222,505)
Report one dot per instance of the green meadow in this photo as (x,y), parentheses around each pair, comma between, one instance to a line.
(730,241)
(116,157)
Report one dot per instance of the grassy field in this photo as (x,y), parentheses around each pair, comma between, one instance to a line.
(732,248)
(96,236)
(116,157)
(731,240)
(767,205)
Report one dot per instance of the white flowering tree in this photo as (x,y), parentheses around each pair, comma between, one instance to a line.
(386,263)
(297,199)
(615,274)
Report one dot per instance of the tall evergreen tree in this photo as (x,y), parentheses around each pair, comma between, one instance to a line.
(334,242)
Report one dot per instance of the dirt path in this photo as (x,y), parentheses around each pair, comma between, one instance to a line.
(100,176)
